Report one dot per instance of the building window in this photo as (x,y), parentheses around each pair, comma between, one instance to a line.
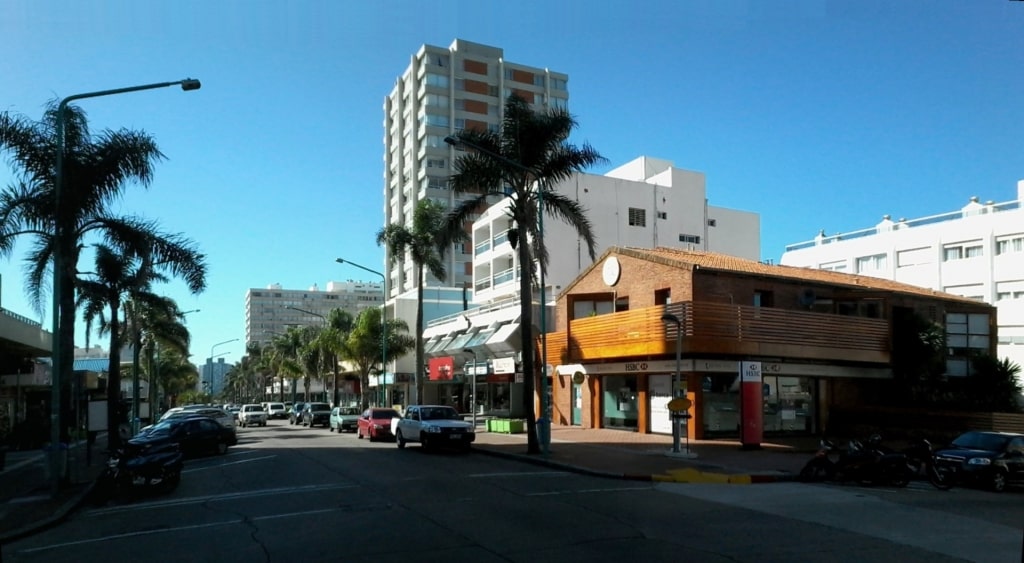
(1012,243)
(712,223)
(637,217)
(662,215)
(837,266)
(961,251)
(439,80)
(435,163)
(434,59)
(690,239)
(559,103)
(558,83)
(436,120)
(966,333)
(874,263)
(913,257)
(538,80)
(436,100)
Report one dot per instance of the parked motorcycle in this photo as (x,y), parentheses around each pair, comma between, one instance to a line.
(131,473)
(921,461)
(858,463)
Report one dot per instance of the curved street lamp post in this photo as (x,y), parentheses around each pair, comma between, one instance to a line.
(383,331)
(63,276)
(212,348)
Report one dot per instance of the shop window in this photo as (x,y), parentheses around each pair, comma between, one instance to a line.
(621,304)
(620,410)
(663,296)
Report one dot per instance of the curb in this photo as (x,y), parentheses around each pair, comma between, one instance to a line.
(687,475)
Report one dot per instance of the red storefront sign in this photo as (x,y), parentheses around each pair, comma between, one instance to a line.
(441,369)
(499,378)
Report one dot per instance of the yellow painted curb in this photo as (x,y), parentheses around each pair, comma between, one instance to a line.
(689,475)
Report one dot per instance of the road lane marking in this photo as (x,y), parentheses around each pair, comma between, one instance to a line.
(227,464)
(580,491)
(171,530)
(222,497)
(520,474)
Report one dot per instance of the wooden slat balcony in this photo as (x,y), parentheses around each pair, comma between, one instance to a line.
(711,328)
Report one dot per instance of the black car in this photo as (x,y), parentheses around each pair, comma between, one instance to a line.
(988,459)
(195,435)
(316,414)
(295,413)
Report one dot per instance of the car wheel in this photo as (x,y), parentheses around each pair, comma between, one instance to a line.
(331,428)
(997,482)
(222,448)
(399,439)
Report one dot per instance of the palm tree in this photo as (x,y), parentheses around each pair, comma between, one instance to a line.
(363,347)
(333,338)
(310,357)
(284,357)
(528,159)
(97,170)
(162,330)
(424,245)
(176,375)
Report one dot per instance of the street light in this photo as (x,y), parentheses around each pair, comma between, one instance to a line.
(212,348)
(383,330)
(63,277)
(472,403)
(670,318)
(308,313)
(544,405)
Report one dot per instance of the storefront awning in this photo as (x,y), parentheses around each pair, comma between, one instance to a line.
(505,339)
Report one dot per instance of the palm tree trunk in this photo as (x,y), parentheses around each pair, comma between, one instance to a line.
(114,380)
(66,336)
(527,343)
(417,370)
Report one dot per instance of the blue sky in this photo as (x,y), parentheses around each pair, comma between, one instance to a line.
(815,114)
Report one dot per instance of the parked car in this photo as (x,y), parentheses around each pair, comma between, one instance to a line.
(220,415)
(434,426)
(375,423)
(252,415)
(990,459)
(234,411)
(295,413)
(194,434)
(344,419)
(276,410)
(316,414)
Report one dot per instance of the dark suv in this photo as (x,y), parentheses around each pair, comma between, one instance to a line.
(316,414)
(295,413)
(989,459)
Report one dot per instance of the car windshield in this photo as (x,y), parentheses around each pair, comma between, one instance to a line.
(252,408)
(982,441)
(348,411)
(385,413)
(439,413)
(319,407)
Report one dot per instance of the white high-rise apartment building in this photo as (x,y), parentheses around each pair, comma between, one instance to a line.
(976,252)
(445,90)
(271,310)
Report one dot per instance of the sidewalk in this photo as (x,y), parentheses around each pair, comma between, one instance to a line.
(645,457)
(26,502)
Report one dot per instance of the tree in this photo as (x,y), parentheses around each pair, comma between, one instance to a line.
(284,357)
(533,155)
(177,376)
(424,244)
(97,170)
(310,357)
(363,347)
(122,282)
(333,339)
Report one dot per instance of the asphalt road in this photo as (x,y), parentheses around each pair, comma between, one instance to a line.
(287,493)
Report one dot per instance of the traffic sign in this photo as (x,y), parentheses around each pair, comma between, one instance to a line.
(679,404)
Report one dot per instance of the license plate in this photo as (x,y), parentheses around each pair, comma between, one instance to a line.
(455,436)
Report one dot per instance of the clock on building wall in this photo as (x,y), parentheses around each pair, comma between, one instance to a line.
(611,271)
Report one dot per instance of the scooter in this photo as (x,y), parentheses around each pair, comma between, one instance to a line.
(857,463)
(921,459)
(129,474)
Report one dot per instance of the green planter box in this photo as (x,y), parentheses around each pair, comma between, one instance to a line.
(516,426)
(506,426)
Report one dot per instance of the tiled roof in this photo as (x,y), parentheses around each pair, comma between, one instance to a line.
(726,263)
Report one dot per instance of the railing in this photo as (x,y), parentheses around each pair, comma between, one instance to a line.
(504,276)
(483,284)
(900,225)
(481,248)
(483,309)
(19,318)
(501,237)
(713,328)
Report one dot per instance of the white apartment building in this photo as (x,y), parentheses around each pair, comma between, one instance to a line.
(445,90)
(645,203)
(976,251)
(271,310)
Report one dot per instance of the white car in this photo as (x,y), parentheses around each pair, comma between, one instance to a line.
(252,415)
(434,426)
(276,410)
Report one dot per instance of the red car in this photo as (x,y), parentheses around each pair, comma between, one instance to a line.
(375,424)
